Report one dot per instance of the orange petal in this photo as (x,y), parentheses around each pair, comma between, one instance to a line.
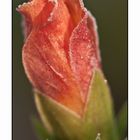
(61,49)
(84,53)
(76,10)
(45,59)
(31,11)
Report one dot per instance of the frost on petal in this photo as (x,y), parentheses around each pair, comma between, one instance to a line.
(50,74)
(84,53)
(56,68)
(45,60)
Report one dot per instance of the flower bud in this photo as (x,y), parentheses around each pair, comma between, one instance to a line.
(60,53)
(62,61)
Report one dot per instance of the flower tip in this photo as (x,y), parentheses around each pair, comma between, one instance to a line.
(25,7)
(19,7)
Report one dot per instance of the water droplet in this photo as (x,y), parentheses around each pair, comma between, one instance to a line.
(82,57)
(19,6)
(98,136)
(24,3)
(88,46)
(54,1)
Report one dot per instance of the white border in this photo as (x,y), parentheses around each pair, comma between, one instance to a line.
(5,70)
(134,69)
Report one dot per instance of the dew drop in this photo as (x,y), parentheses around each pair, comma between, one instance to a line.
(88,46)
(24,3)
(98,136)
(19,6)
(54,1)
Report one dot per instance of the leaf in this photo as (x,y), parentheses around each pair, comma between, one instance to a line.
(40,130)
(99,116)
(122,120)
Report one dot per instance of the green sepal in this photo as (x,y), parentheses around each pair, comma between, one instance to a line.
(65,123)
(122,119)
(98,116)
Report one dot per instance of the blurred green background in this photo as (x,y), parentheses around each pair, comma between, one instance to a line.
(111,16)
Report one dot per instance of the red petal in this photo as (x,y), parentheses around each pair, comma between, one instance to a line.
(76,10)
(32,10)
(84,55)
(45,60)
(57,69)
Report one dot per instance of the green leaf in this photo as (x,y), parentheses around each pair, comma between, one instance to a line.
(40,130)
(99,116)
(122,120)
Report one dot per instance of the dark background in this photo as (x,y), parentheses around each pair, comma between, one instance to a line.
(111,16)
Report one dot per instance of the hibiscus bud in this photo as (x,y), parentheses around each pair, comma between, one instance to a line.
(61,51)
(61,56)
